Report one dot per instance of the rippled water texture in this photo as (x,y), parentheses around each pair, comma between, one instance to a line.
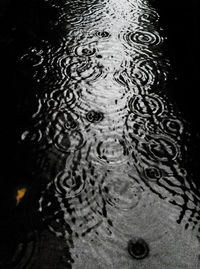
(109,142)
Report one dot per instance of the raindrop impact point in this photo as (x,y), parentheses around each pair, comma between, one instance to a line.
(138,248)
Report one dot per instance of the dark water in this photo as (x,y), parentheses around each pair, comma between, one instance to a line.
(93,131)
(180,22)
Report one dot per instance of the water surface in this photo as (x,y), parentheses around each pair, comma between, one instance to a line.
(107,147)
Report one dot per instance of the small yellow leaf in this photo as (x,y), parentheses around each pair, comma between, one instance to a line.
(20,195)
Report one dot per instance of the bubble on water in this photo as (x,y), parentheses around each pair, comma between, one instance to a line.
(173,126)
(33,57)
(94,116)
(152,173)
(67,185)
(148,16)
(86,50)
(138,248)
(146,105)
(147,73)
(84,70)
(141,38)
(104,34)
(110,151)
(163,148)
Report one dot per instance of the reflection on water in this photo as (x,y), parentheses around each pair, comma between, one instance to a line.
(108,141)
